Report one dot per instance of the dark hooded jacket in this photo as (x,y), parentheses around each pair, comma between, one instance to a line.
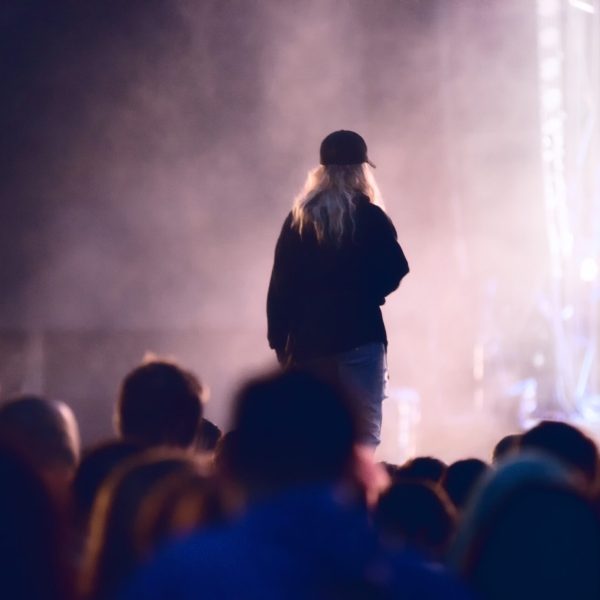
(325,297)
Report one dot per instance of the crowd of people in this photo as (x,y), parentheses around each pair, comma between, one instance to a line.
(286,504)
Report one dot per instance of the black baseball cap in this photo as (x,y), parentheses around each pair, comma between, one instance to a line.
(344,148)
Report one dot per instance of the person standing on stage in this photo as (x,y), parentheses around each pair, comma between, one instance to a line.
(336,260)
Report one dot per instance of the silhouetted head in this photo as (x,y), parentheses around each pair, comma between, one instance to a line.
(416,514)
(46,432)
(159,404)
(566,443)
(290,429)
(208,436)
(498,485)
(421,468)
(530,534)
(507,446)
(96,465)
(114,548)
(31,534)
(461,478)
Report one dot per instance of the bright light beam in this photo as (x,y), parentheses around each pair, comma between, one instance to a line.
(584,6)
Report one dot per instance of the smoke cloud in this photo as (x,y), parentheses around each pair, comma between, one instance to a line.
(153,149)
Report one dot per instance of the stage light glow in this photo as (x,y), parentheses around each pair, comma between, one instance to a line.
(549,36)
(550,69)
(538,360)
(552,98)
(567,312)
(568,43)
(584,6)
(589,269)
(548,8)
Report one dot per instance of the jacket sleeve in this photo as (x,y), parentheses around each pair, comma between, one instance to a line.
(386,263)
(280,296)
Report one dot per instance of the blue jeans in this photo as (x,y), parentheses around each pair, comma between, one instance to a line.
(363,371)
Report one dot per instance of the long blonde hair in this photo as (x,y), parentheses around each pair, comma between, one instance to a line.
(328,199)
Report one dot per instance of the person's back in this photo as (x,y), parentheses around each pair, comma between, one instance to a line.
(307,543)
(117,542)
(97,464)
(333,289)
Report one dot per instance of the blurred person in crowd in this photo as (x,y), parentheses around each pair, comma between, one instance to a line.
(461,478)
(183,502)
(46,432)
(390,469)
(97,463)
(224,450)
(118,542)
(231,491)
(33,564)
(304,533)
(531,532)
(565,443)
(421,468)
(336,260)
(506,447)
(159,405)
(498,484)
(208,436)
(418,515)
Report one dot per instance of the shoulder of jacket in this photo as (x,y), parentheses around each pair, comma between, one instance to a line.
(371,210)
